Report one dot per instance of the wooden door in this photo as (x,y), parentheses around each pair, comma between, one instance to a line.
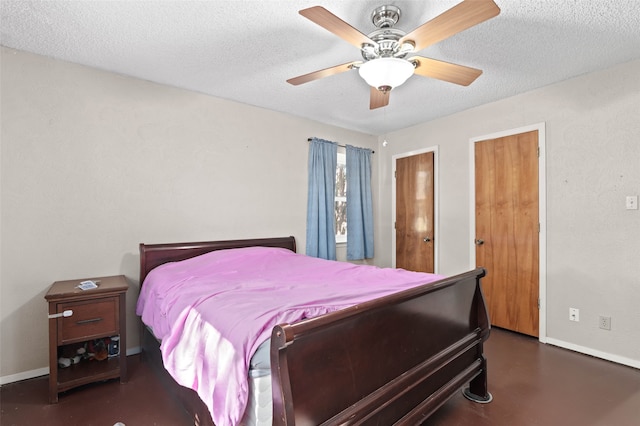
(507,229)
(415,213)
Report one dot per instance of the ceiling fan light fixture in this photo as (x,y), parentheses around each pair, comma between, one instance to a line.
(386,73)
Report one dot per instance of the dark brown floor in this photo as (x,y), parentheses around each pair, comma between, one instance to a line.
(532,384)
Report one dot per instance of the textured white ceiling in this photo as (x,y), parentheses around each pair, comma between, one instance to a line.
(246,50)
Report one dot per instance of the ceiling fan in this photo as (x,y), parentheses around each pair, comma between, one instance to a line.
(388,52)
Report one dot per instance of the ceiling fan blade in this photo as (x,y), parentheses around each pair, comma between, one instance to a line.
(453,73)
(322,73)
(332,23)
(378,99)
(460,17)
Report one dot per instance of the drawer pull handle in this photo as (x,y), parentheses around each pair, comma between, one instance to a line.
(88,321)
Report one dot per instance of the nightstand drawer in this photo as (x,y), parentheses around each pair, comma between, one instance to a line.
(90,319)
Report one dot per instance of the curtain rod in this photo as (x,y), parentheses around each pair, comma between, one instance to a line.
(343,146)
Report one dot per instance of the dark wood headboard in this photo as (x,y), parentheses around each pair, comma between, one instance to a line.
(153,255)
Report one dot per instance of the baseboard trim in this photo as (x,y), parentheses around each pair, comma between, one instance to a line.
(595,353)
(25,375)
(38,372)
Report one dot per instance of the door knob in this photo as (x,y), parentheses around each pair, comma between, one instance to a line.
(426,239)
(479,242)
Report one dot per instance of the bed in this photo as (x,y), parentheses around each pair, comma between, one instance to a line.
(390,360)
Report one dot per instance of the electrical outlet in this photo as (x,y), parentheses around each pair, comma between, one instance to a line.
(605,323)
(574,314)
(632,202)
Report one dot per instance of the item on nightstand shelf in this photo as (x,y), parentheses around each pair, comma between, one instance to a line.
(97,349)
(113,346)
(70,357)
(64,362)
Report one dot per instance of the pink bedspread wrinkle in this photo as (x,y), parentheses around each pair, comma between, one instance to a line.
(213,311)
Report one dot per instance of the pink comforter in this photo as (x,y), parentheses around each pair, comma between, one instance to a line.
(213,311)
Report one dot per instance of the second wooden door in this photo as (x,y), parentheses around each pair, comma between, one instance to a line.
(415,213)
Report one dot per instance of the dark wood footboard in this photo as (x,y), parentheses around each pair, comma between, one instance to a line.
(393,360)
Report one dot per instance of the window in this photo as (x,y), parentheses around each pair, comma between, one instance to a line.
(341,199)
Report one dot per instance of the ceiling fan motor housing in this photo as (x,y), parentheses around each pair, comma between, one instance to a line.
(386,37)
(385,16)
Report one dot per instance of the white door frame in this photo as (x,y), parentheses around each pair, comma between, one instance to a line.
(542,213)
(436,233)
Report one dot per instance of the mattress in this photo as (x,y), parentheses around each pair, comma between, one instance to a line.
(259,411)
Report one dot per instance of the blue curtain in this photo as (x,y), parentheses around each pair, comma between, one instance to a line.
(321,234)
(359,204)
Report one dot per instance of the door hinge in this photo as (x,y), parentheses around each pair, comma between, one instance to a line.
(395,174)
(394,225)
(538,152)
(538,303)
(539,227)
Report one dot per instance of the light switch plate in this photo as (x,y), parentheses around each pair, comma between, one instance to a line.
(632,202)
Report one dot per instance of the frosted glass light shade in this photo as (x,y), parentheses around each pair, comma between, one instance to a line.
(386,72)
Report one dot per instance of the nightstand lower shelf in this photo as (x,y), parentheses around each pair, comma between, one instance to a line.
(88,372)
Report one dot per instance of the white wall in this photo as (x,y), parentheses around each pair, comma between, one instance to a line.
(94,163)
(593,163)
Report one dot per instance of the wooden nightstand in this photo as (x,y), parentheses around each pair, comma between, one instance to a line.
(77,316)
